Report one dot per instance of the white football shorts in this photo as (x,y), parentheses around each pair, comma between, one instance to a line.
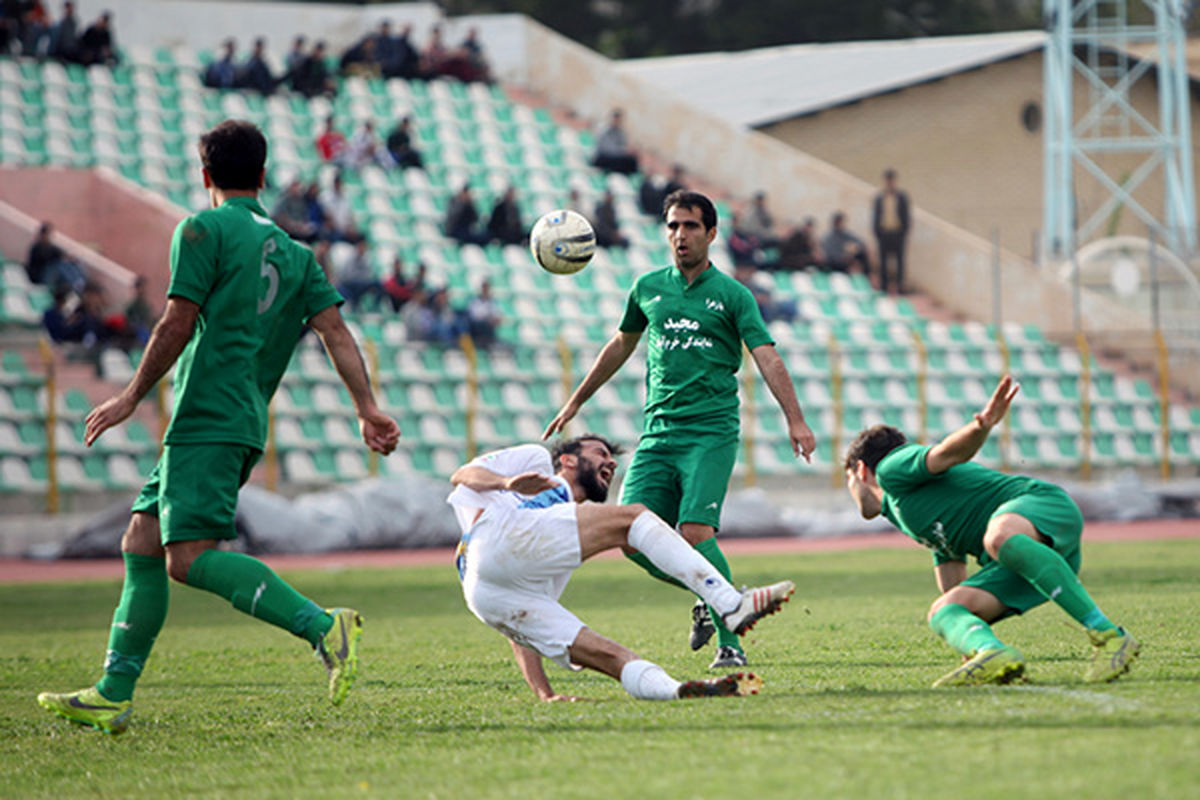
(518,562)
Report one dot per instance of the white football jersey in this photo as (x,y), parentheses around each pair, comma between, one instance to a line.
(510,461)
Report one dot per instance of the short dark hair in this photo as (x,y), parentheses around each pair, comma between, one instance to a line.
(234,154)
(574,446)
(692,200)
(872,445)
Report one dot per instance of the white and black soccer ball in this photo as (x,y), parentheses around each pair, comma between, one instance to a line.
(562,242)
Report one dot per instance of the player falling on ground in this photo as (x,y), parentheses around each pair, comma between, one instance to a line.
(697,319)
(1024,533)
(526,528)
(240,295)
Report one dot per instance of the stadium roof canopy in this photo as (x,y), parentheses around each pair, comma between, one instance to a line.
(758,87)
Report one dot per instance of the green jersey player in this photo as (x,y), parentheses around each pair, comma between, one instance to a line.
(240,295)
(696,319)
(1023,532)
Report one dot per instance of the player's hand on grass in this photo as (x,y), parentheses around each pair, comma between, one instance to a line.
(379,431)
(804,442)
(559,422)
(564,698)
(112,411)
(997,405)
(530,483)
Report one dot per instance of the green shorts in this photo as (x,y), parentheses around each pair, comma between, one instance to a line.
(681,482)
(1055,515)
(193,490)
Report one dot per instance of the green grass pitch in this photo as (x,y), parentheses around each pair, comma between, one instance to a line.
(232,708)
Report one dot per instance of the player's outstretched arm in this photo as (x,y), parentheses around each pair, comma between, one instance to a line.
(961,446)
(615,353)
(530,662)
(170,336)
(380,432)
(775,373)
(482,479)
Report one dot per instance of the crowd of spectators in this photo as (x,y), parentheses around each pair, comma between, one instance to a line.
(504,224)
(27,28)
(379,54)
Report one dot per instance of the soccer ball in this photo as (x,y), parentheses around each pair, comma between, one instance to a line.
(562,242)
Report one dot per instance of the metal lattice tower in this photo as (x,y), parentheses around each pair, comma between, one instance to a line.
(1092,39)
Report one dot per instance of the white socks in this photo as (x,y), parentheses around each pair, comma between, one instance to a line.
(671,553)
(648,681)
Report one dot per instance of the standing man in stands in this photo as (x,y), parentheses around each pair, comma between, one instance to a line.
(890,221)
(241,294)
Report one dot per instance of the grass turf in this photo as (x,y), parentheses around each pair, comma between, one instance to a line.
(232,708)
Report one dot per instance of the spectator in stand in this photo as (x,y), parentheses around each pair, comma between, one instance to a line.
(365,148)
(468,63)
(96,45)
(316,212)
(400,145)
(434,55)
(35,29)
(844,252)
(408,60)
(758,224)
(890,221)
(483,316)
(339,213)
(612,147)
(655,189)
(604,222)
(388,50)
(256,73)
(62,319)
(357,277)
(222,73)
(96,331)
(311,77)
(448,322)
(417,316)
(742,247)
(462,219)
(760,286)
(361,59)
(291,213)
(48,265)
(295,57)
(799,249)
(64,35)
(504,224)
(397,287)
(139,315)
(331,144)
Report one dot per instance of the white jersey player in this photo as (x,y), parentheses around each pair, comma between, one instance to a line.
(526,529)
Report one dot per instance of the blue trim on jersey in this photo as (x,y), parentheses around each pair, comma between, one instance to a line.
(550,497)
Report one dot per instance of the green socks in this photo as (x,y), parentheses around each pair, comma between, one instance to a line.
(962,630)
(254,588)
(712,552)
(1051,575)
(136,622)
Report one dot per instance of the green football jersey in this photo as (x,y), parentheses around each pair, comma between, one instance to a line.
(694,347)
(256,288)
(947,512)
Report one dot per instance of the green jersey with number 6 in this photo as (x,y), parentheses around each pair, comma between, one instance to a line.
(257,289)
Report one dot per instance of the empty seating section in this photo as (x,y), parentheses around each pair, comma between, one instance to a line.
(858,358)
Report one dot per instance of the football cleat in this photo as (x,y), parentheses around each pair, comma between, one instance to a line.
(727,657)
(995,665)
(702,626)
(1114,651)
(339,652)
(738,684)
(756,604)
(89,707)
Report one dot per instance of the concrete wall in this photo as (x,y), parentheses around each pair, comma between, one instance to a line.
(117,229)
